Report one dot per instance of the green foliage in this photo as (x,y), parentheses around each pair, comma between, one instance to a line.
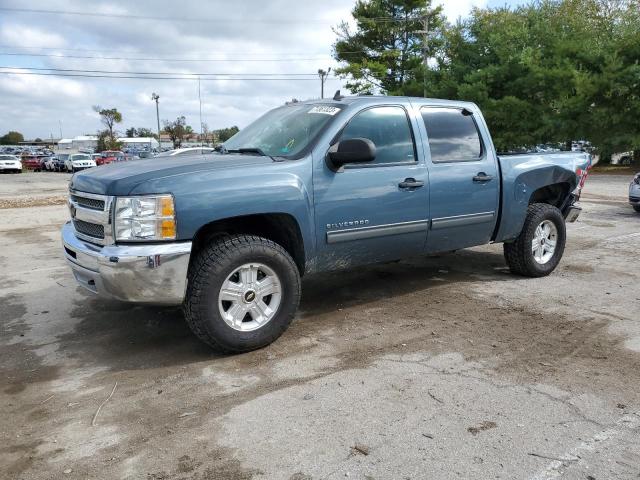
(107,142)
(224,134)
(134,132)
(550,71)
(385,51)
(176,130)
(11,138)
(109,117)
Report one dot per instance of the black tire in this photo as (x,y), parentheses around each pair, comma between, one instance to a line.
(208,271)
(519,255)
(636,208)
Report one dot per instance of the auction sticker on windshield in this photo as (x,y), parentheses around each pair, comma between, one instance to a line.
(325,109)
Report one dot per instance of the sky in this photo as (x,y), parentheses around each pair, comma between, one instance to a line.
(242,38)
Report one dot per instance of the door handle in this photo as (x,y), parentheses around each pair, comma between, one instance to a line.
(482,177)
(411,183)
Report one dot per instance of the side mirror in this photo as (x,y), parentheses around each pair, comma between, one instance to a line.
(352,150)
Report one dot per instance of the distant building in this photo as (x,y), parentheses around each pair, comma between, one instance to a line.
(139,143)
(84,142)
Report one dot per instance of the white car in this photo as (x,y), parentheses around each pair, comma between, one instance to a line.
(78,161)
(10,163)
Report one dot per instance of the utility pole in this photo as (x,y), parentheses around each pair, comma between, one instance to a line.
(425,48)
(200,101)
(323,76)
(156,97)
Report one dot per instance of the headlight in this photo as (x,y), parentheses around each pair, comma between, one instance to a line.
(636,179)
(150,218)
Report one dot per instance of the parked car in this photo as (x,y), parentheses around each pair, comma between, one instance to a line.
(634,193)
(311,187)
(110,156)
(79,161)
(50,164)
(33,162)
(58,161)
(622,158)
(10,163)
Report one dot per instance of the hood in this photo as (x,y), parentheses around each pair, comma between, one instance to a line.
(121,177)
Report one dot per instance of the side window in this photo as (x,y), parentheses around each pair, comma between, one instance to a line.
(453,135)
(389,129)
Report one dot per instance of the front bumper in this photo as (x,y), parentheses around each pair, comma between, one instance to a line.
(152,273)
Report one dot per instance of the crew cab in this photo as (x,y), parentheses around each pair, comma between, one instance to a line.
(311,187)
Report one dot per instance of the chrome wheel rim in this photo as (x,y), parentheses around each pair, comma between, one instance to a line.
(545,239)
(250,296)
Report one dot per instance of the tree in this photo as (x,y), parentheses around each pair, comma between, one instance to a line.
(385,53)
(224,134)
(11,138)
(176,130)
(106,142)
(109,118)
(131,132)
(551,71)
(146,132)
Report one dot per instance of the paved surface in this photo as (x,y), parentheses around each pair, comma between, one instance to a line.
(441,367)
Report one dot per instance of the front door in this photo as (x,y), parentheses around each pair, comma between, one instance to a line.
(464,179)
(375,211)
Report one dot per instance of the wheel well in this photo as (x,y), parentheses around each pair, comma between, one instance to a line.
(280,228)
(554,194)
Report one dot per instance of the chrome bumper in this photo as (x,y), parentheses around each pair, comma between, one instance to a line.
(152,273)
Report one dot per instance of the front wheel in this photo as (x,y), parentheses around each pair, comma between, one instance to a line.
(242,293)
(636,208)
(539,247)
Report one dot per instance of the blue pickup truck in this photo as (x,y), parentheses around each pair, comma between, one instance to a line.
(311,187)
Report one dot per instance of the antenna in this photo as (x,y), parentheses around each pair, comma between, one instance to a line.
(337,96)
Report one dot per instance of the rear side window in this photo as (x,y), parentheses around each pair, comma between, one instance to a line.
(453,135)
(388,128)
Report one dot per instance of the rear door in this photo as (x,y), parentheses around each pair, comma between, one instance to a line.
(463,177)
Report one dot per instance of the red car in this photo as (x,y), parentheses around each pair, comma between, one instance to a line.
(110,156)
(34,162)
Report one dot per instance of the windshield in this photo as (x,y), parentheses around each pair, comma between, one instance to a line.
(285,131)
(80,157)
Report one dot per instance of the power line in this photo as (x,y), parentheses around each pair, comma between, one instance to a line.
(186,19)
(137,77)
(77,70)
(156,59)
(34,47)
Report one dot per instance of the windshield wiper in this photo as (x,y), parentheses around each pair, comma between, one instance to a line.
(247,150)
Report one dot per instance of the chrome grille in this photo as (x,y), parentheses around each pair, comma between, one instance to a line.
(92,203)
(91,229)
(91,216)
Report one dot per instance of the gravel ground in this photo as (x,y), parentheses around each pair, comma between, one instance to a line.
(442,367)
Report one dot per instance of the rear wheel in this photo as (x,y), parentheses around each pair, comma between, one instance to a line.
(636,208)
(539,247)
(242,293)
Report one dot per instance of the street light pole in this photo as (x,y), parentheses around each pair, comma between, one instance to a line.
(156,97)
(323,76)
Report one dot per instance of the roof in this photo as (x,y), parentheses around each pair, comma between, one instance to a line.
(80,138)
(137,140)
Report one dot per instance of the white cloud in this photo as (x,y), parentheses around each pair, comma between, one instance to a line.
(23,35)
(454,9)
(34,104)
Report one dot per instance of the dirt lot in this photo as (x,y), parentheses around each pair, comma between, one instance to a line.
(441,367)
